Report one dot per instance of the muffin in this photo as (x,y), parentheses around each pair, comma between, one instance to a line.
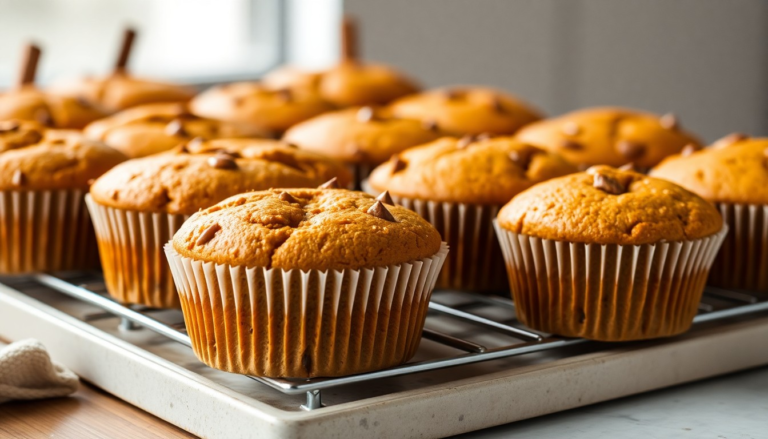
(731,174)
(152,128)
(44,174)
(363,137)
(303,283)
(467,110)
(139,205)
(253,103)
(459,185)
(610,136)
(608,255)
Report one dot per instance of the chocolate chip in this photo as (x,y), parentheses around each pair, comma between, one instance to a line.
(208,234)
(608,184)
(631,166)
(175,128)
(465,141)
(669,121)
(398,164)
(571,145)
(366,114)
(631,149)
(91,181)
(498,105)
(430,125)
(44,117)
(222,161)
(522,157)
(285,94)
(330,184)
(732,138)
(571,129)
(385,198)
(380,211)
(18,179)
(688,150)
(9,126)
(285,196)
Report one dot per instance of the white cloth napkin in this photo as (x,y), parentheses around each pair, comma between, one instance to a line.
(27,372)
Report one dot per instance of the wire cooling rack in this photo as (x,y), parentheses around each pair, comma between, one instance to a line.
(717,304)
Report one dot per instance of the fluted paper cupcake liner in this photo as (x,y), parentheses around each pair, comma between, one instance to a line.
(475,262)
(360,173)
(607,292)
(292,323)
(45,231)
(132,257)
(743,259)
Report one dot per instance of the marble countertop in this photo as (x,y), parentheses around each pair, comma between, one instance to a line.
(730,407)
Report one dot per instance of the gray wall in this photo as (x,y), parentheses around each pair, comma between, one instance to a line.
(706,60)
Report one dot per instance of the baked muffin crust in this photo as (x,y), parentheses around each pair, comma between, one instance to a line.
(309,229)
(610,136)
(610,206)
(733,170)
(467,170)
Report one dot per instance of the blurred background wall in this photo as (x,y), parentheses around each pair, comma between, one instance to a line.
(706,60)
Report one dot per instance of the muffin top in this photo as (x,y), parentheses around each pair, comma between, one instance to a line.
(153,128)
(348,84)
(733,170)
(271,109)
(306,229)
(610,206)
(467,110)
(35,158)
(468,170)
(29,103)
(610,136)
(203,173)
(360,135)
(119,91)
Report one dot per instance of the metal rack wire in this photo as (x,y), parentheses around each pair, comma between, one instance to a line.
(717,304)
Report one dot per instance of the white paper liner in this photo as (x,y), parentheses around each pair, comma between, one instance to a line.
(291,323)
(743,259)
(475,262)
(45,231)
(132,257)
(607,292)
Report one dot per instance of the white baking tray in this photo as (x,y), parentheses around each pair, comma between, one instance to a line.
(164,378)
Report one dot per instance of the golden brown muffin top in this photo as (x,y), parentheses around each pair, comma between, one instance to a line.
(306,229)
(610,136)
(348,84)
(354,83)
(610,206)
(271,109)
(733,170)
(119,91)
(35,158)
(29,103)
(467,110)
(360,135)
(152,128)
(467,170)
(204,173)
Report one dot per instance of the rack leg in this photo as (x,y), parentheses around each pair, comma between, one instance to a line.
(127,325)
(314,400)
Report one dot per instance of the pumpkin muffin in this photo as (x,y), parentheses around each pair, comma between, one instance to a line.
(303,283)
(152,128)
(139,205)
(254,103)
(608,254)
(467,110)
(733,175)
(363,137)
(459,185)
(44,174)
(610,136)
